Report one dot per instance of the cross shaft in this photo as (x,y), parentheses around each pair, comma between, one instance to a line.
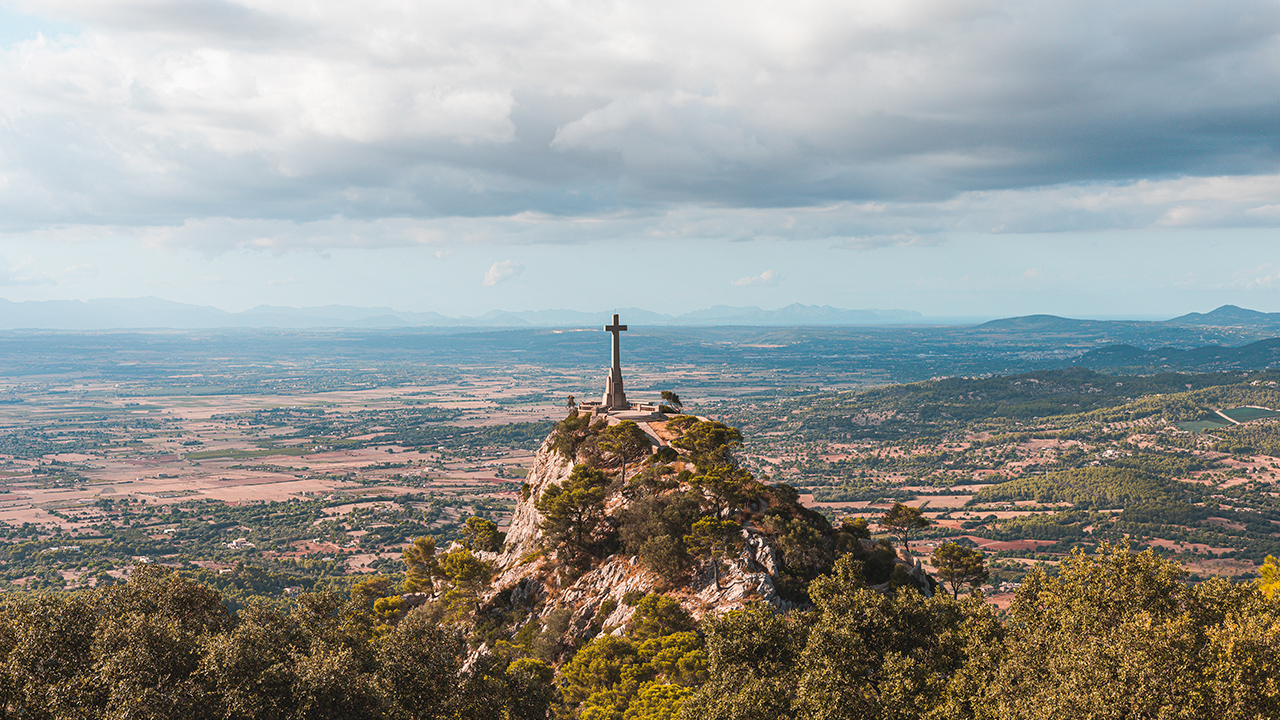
(616,328)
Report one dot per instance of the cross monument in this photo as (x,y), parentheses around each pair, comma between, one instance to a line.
(614,397)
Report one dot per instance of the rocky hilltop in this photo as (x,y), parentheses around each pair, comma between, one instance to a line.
(616,508)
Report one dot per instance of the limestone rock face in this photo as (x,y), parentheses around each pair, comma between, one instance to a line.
(915,568)
(759,552)
(549,467)
(619,576)
(532,581)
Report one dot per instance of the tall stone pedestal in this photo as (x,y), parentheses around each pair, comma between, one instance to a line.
(614,396)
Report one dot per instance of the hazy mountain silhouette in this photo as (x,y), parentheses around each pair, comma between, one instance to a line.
(152,312)
(1229,315)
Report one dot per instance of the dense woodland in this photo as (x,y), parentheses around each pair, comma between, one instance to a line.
(1115,634)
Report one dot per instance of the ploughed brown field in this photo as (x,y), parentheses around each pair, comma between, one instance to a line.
(167,450)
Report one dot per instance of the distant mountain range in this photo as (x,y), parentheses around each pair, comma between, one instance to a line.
(151,312)
(1229,316)
(155,313)
(1225,316)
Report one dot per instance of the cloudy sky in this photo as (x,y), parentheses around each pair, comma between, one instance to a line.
(955,157)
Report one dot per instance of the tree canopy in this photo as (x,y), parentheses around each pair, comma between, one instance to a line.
(958,565)
(626,443)
(904,521)
(709,443)
(1115,634)
(573,512)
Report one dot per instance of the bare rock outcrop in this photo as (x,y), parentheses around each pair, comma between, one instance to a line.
(528,577)
(549,467)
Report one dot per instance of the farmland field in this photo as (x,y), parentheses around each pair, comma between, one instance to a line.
(1245,414)
(270,462)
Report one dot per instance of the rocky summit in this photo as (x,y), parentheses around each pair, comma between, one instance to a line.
(685,521)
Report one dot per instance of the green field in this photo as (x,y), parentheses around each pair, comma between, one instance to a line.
(1200,425)
(1245,414)
(236,453)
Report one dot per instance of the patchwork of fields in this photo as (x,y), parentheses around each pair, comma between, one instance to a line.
(279,468)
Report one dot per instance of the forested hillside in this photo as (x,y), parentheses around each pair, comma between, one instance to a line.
(1111,635)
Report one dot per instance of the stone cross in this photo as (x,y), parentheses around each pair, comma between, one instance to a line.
(615,328)
(614,397)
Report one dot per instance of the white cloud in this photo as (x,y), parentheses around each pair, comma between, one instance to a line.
(81,270)
(502,271)
(768,277)
(332,124)
(1263,277)
(23,272)
(873,242)
(1177,203)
